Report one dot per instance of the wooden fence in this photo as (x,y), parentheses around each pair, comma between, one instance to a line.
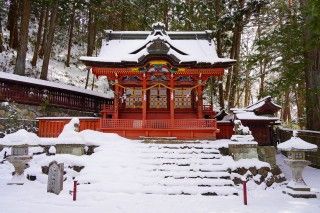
(309,136)
(25,92)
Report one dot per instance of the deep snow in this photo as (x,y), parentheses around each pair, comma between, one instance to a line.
(117,182)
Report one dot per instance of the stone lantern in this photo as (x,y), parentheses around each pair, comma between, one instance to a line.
(296,148)
(19,157)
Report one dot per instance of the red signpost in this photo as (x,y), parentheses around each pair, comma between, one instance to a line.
(245,198)
(74,190)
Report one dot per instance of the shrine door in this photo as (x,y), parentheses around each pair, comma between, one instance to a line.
(158,98)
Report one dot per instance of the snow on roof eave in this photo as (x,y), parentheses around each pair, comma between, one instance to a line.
(258,102)
(51,84)
(90,60)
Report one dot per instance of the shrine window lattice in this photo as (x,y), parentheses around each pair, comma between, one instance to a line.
(133,97)
(182,98)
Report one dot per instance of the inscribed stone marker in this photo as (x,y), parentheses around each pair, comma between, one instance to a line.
(55,178)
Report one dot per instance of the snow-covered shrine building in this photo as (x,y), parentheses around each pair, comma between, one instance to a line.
(158,79)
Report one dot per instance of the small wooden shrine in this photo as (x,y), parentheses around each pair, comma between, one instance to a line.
(158,79)
(260,117)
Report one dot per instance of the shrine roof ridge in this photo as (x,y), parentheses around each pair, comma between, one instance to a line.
(174,35)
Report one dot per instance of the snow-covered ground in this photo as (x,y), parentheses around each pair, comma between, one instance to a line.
(118,182)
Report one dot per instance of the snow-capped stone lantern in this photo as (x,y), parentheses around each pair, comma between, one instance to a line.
(20,142)
(296,148)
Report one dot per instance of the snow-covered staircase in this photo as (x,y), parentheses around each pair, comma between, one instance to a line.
(172,168)
(180,168)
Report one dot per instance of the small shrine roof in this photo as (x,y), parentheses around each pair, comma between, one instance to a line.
(264,109)
(134,47)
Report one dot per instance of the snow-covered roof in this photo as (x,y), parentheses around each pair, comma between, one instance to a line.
(13,77)
(244,115)
(297,144)
(182,47)
(264,109)
(261,102)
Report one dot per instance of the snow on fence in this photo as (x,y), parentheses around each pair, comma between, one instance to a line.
(307,135)
(31,91)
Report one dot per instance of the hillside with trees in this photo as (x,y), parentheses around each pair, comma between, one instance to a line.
(276,44)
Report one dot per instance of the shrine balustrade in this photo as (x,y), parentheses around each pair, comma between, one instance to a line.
(158,124)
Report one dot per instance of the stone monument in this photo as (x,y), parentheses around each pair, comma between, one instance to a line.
(296,148)
(55,178)
(19,158)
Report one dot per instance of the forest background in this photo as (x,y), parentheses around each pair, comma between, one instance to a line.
(276,43)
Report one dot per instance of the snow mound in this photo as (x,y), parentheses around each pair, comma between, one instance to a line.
(21,137)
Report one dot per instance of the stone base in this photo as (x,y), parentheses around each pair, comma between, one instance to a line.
(299,194)
(73,149)
(267,154)
(243,150)
(17,180)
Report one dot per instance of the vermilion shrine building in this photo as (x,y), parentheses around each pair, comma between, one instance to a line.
(158,79)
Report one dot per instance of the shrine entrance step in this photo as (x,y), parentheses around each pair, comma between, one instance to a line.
(165,140)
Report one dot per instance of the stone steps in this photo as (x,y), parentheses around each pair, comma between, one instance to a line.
(184,169)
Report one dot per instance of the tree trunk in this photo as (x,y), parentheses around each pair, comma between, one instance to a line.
(45,33)
(263,67)
(312,69)
(236,68)
(23,47)
(1,36)
(300,105)
(70,34)
(38,42)
(229,73)
(12,26)
(87,79)
(91,39)
(247,89)
(165,17)
(219,52)
(286,114)
(312,74)
(50,37)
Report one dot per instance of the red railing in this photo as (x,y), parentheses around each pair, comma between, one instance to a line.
(43,95)
(158,124)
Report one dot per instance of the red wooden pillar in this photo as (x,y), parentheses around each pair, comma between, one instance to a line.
(144,100)
(200,100)
(172,100)
(116,100)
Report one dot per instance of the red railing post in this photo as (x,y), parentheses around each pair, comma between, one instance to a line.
(74,197)
(245,198)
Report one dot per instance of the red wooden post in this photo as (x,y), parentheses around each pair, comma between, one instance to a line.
(74,190)
(172,100)
(200,100)
(245,198)
(116,100)
(144,100)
